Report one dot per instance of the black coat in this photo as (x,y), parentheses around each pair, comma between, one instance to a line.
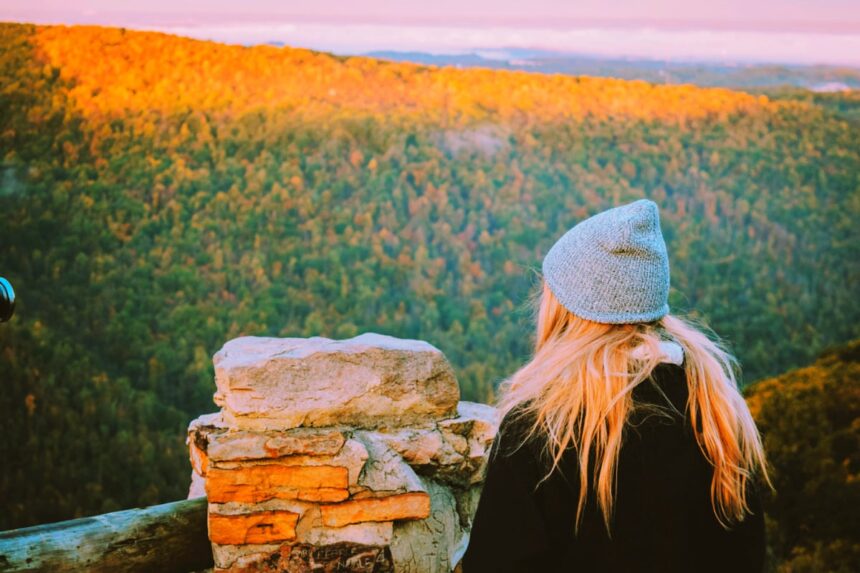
(663,523)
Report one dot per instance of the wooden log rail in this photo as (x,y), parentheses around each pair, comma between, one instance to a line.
(168,538)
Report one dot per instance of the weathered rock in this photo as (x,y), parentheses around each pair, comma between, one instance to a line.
(369,533)
(197,487)
(198,441)
(368,381)
(311,529)
(340,557)
(467,504)
(215,420)
(332,455)
(400,506)
(237,557)
(351,456)
(336,558)
(199,459)
(237,507)
(252,528)
(455,450)
(421,446)
(431,545)
(477,422)
(254,484)
(385,471)
(245,445)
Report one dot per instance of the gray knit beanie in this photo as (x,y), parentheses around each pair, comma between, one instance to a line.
(612,267)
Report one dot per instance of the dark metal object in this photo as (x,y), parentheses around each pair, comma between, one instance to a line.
(7,300)
(168,538)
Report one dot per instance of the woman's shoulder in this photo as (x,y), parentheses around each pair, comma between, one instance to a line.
(515,429)
(524,443)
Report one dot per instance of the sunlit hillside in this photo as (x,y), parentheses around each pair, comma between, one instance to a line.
(809,419)
(162,195)
(115,72)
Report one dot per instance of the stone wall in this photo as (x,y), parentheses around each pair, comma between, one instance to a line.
(339,455)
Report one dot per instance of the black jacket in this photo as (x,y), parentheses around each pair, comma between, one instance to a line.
(663,522)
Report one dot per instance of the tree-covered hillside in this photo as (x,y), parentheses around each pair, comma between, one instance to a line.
(162,195)
(810,420)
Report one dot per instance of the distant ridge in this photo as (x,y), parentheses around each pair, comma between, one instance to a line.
(706,74)
(104,64)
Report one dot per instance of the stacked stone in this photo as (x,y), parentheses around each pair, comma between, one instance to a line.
(327,455)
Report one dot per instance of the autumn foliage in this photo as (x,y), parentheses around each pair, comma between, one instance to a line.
(162,195)
(115,72)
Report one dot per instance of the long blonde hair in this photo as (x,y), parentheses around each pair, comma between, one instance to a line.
(576,391)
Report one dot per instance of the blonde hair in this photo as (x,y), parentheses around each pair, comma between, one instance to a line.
(576,391)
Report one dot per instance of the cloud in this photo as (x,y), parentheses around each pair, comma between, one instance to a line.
(742,46)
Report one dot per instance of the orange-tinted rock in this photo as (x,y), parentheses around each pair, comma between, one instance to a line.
(253,528)
(402,506)
(253,484)
(199,459)
(352,456)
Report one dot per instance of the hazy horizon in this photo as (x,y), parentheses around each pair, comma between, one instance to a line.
(786,32)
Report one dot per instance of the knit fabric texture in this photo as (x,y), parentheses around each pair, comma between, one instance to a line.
(612,267)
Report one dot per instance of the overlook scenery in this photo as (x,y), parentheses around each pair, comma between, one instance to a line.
(162,194)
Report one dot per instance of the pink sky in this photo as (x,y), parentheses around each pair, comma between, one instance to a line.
(787,31)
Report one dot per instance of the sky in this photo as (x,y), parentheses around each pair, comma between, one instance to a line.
(727,31)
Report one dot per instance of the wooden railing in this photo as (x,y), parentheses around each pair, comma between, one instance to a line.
(167,538)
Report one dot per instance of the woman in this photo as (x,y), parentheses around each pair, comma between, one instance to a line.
(624,444)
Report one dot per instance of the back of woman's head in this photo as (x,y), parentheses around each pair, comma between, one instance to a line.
(604,294)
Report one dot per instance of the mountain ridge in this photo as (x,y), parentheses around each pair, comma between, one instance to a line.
(384,86)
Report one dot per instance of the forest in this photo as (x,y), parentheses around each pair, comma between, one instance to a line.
(808,418)
(160,196)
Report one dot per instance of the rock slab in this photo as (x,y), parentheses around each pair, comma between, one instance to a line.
(347,455)
(369,381)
